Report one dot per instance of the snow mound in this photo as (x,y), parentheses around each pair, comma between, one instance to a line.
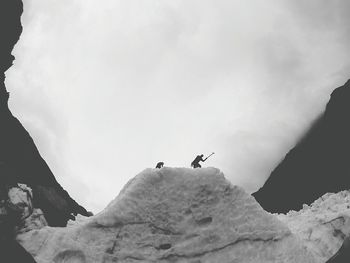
(322,226)
(172,215)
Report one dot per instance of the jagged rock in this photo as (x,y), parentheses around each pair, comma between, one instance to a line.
(16,209)
(172,215)
(10,30)
(35,221)
(323,226)
(317,165)
(20,200)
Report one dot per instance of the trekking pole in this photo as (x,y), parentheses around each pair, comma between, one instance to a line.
(209,155)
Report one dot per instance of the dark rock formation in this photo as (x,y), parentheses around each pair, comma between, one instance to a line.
(20,161)
(10,30)
(320,163)
(10,218)
(12,252)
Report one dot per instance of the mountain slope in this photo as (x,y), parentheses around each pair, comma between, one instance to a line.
(172,215)
(320,163)
(20,161)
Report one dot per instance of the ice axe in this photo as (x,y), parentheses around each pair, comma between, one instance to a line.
(209,155)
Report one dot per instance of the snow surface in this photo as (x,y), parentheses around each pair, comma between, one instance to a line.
(323,225)
(172,215)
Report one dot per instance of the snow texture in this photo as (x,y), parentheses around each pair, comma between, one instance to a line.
(322,226)
(172,215)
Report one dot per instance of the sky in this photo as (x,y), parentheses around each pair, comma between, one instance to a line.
(108,88)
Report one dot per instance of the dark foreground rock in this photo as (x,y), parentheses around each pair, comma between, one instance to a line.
(17,215)
(12,252)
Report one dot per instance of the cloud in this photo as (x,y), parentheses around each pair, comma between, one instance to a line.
(108,89)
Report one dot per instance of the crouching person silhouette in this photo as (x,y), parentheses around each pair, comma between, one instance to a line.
(159,165)
(199,158)
(195,162)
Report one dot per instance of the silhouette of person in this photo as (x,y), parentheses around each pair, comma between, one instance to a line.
(199,158)
(159,165)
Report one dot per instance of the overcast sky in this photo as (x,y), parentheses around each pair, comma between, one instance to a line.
(107,88)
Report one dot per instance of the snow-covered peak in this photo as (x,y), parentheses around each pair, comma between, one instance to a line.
(173,215)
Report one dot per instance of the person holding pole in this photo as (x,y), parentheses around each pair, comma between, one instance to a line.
(199,158)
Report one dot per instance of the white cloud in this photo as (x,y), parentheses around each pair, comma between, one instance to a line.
(109,88)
